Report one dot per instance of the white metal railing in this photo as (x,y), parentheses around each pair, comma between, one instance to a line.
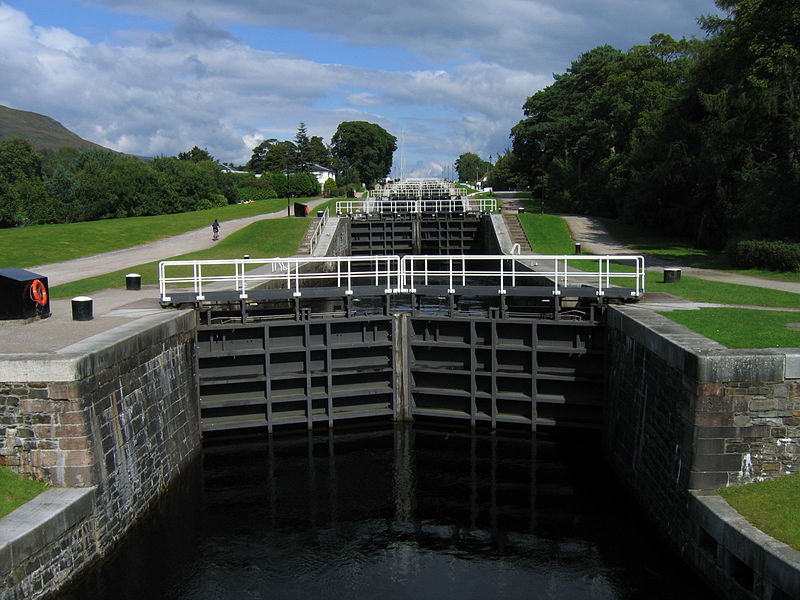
(506,271)
(397,275)
(380,206)
(319,229)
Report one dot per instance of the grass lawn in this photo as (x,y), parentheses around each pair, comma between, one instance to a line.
(772,506)
(16,490)
(742,327)
(41,244)
(262,239)
(681,251)
(547,234)
(701,290)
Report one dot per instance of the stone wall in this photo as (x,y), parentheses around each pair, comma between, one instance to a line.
(684,413)
(118,412)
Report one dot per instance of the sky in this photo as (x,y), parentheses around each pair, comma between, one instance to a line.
(157,77)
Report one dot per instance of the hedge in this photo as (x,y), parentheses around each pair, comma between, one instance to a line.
(759,254)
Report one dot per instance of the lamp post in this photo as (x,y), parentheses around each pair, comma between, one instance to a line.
(286,170)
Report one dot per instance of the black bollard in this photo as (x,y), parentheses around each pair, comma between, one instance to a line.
(672,275)
(577,247)
(133,281)
(82,308)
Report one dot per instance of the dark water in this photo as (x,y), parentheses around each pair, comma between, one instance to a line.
(407,513)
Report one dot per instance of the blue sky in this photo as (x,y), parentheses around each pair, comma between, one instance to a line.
(153,77)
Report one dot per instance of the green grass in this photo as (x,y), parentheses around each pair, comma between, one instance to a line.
(719,292)
(741,327)
(682,252)
(262,239)
(547,234)
(41,244)
(16,490)
(771,506)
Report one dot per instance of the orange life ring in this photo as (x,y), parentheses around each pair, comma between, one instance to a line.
(38,292)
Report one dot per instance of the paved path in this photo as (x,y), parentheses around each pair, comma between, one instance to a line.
(594,238)
(108,262)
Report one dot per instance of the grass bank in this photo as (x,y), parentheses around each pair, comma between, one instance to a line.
(742,327)
(549,234)
(42,244)
(682,252)
(262,239)
(16,490)
(772,506)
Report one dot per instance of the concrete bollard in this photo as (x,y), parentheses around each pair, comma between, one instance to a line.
(133,281)
(672,275)
(577,247)
(82,308)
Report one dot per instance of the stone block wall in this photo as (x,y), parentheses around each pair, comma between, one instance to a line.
(683,414)
(120,413)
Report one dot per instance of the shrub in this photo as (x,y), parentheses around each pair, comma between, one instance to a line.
(774,256)
(251,193)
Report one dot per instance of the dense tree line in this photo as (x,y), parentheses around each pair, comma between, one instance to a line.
(360,153)
(696,137)
(65,186)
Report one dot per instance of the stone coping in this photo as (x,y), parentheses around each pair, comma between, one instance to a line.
(700,357)
(774,561)
(40,522)
(86,357)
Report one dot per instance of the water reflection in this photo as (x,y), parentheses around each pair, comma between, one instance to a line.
(405,513)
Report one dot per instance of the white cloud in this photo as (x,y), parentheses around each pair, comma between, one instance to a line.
(150,92)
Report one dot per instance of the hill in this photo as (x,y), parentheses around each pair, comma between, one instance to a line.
(41,131)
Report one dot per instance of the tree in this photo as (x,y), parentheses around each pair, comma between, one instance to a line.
(365,147)
(471,167)
(275,156)
(196,155)
(256,162)
(23,198)
(503,174)
(319,153)
(303,146)
(18,160)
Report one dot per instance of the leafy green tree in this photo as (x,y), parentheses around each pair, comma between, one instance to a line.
(23,197)
(303,185)
(471,167)
(329,188)
(366,148)
(256,162)
(196,155)
(18,160)
(319,153)
(503,175)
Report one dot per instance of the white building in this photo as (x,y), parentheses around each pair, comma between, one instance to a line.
(321,173)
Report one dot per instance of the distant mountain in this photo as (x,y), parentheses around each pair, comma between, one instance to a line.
(41,131)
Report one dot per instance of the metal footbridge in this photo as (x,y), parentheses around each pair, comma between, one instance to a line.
(565,276)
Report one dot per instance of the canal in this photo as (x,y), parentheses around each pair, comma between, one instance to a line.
(405,512)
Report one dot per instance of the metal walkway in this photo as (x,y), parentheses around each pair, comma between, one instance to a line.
(194,281)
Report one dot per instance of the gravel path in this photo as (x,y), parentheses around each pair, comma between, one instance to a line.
(108,262)
(595,239)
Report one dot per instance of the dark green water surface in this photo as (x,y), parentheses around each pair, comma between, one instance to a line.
(411,513)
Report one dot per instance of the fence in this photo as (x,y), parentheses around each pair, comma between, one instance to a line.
(396,275)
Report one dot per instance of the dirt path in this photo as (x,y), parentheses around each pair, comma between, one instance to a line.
(595,239)
(108,262)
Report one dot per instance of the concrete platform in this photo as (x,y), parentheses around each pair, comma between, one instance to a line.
(112,308)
